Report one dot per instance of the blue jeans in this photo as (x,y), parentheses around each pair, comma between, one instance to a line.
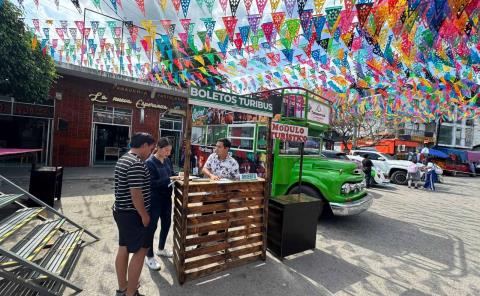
(162,211)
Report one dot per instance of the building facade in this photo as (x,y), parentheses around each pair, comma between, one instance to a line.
(96,116)
(458,134)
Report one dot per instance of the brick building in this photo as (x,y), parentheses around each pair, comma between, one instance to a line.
(96,114)
(91,117)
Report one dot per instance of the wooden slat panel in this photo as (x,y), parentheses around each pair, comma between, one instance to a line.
(246,241)
(176,244)
(224,206)
(218,268)
(207,228)
(223,216)
(210,196)
(206,250)
(205,272)
(177,202)
(246,222)
(177,191)
(176,219)
(221,236)
(220,258)
(212,226)
(245,186)
(176,231)
(207,208)
(248,203)
(238,208)
(244,251)
(197,240)
(198,220)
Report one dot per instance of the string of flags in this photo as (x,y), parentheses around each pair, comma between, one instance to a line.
(420,56)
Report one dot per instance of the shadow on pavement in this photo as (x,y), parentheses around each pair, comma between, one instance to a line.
(333,273)
(431,249)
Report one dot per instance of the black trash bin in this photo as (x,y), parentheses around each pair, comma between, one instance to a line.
(292,224)
(46,184)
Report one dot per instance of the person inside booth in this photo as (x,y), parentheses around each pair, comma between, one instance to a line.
(220,165)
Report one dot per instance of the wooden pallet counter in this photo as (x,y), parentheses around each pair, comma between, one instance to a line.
(218,226)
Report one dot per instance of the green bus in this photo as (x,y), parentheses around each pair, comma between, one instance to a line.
(338,184)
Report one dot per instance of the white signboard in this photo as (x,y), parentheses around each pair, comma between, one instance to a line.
(318,112)
(287,132)
(217,99)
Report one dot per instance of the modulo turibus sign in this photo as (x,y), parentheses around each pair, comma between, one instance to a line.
(291,133)
(221,100)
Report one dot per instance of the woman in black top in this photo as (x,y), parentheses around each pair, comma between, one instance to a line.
(161,174)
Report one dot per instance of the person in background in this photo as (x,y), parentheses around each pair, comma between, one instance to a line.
(367,169)
(130,211)
(413,174)
(430,177)
(161,175)
(411,156)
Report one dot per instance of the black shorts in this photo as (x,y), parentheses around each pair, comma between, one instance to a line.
(131,232)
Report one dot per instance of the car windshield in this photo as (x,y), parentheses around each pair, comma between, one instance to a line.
(386,156)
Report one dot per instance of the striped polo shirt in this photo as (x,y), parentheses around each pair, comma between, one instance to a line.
(130,172)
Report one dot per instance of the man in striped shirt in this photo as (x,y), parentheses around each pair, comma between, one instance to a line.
(130,211)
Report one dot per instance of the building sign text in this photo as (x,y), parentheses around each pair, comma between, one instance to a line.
(99,97)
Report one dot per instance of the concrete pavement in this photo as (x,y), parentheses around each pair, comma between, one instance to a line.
(411,242)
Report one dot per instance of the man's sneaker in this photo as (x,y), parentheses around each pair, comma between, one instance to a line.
(121,293)
(164,253)
(152,263)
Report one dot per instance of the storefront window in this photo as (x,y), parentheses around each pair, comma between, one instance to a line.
(102,108)
(102,117)
(122,119)
(177,125)
(458,136)
(105,114)
(468,137)
(262,138)
(312,147)
(445,135)
(166,124)
(242,136)
(214,133)
(198,135)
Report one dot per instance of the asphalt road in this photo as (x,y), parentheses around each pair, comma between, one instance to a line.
(411,242)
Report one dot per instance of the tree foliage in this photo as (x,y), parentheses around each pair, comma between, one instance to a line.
(352,126)
(26,73)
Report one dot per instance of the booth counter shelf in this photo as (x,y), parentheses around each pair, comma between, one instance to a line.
(219,225)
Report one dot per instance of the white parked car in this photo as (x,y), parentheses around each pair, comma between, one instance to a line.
(395,170)
(378,172)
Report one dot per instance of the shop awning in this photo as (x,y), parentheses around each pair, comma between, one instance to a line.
(473,156)
(437,153)
(461,155)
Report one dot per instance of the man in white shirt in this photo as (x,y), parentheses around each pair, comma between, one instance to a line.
(220,165)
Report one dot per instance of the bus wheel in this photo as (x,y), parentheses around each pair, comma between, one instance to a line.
(307,190)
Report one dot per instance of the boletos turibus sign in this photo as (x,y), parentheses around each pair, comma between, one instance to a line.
(290,133)
(233,102)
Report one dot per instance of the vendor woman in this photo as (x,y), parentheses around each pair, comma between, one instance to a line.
(220,165)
